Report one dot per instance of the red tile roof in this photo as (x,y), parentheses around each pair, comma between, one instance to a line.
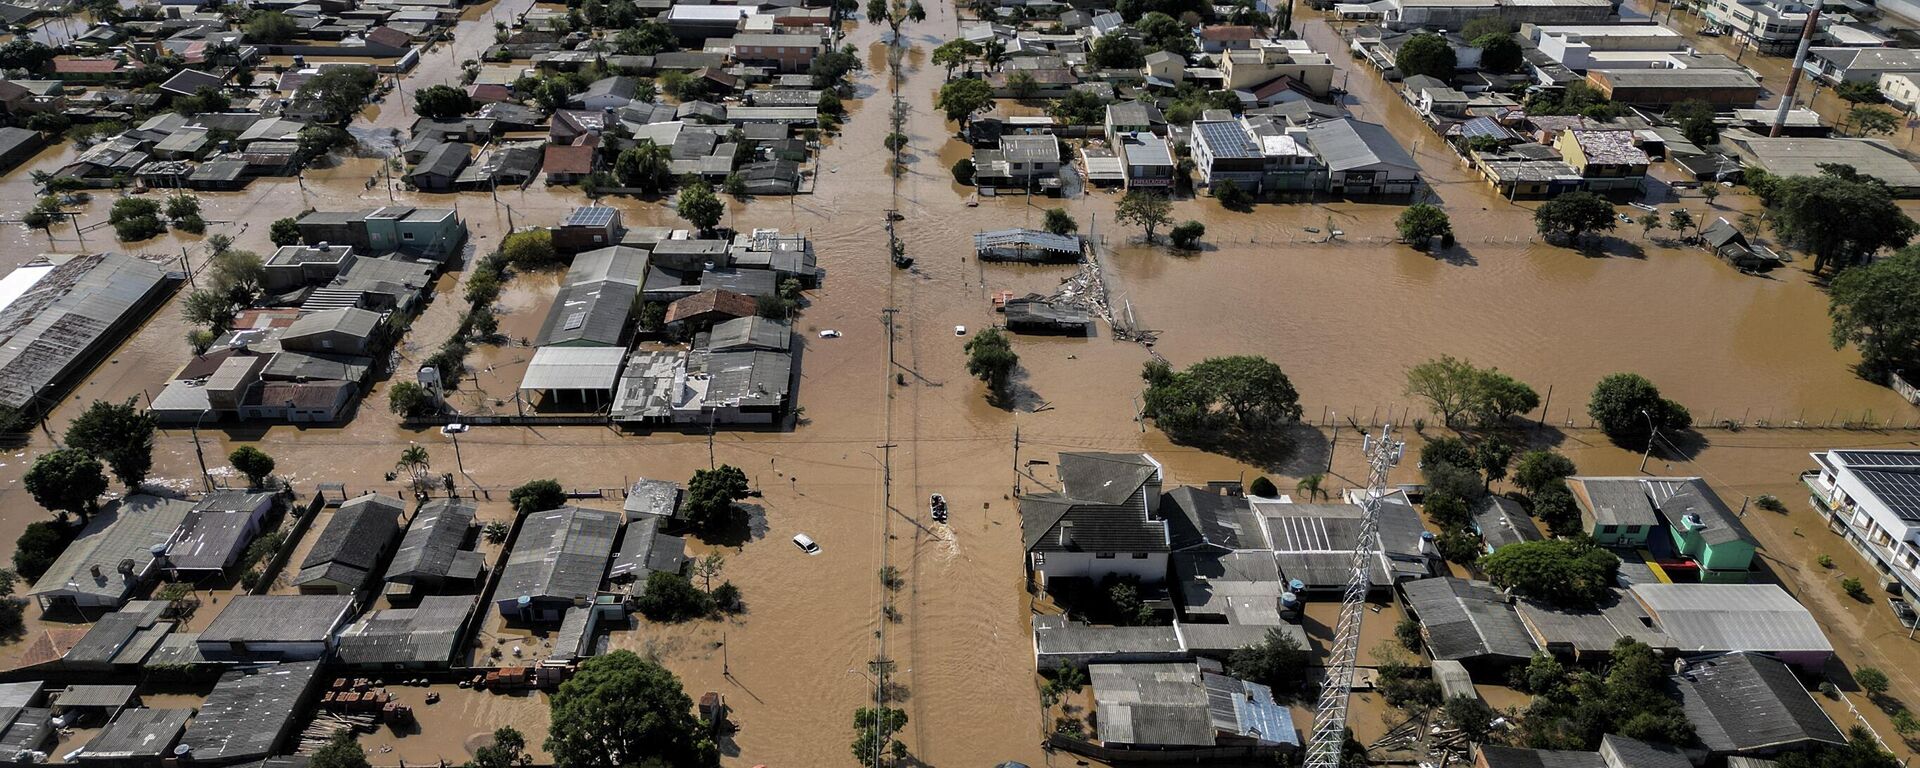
(76,65)
(569,158)
(713,301)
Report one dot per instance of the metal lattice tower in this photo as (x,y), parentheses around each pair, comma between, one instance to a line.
(1330,715)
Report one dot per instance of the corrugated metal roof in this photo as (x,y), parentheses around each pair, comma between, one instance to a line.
(249,712)
(574,368)
(1732,617)
(560,553)
(67,316)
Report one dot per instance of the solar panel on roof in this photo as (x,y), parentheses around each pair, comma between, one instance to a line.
(1227,140)
(575,320)
(590,217)
(1900,491)
(1880,458)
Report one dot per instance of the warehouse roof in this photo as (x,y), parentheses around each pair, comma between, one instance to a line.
(1467,619)
(351,545)
(138,733)
(1180,705)
(66,316)
(427,633)
(573,368)
(248,713)
(1732,617)
(278,619)
(559,553)
(589,313)
(1748,702)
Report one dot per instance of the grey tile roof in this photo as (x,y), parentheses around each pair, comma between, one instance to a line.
(589,314)
(1198,517)
(1678,498)
(433,544)
(1517,757)
(101,696)
(1613,500)
(1622,752)
(1732,617)
(277,618)
(747,333)
(350,546)
(560,553)
(615,262)
(127,530)
(1502,521)
(1467,620)
(1592,630)
(1744,702)
(1347,143)
(138,733)
(660,498)
(748,379)
(249,712)
(644,549)
(216,530)
(424,634)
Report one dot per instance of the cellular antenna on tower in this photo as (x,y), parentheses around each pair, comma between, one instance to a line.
(1329,737)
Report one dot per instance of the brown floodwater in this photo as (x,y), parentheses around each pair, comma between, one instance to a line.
(1344,319)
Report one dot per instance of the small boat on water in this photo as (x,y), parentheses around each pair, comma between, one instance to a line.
(938,504)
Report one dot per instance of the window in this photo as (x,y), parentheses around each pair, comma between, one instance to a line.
(1633,529)
(406,235)
(1103,556)
(1139,555)
(1609,528)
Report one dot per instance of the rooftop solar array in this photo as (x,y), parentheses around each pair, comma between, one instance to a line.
(591,216)
(1227,140)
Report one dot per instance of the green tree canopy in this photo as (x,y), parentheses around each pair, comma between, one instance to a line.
(954,53)
(1574,214)
(1695,119)
(1627,407)
(1059,222)
(1455,387)
(508,750)
(1421,222)
(408,398)
(1145,209)
(698,205)
(671,597)
(441,102)
(620,710)
(1163,32)
(990,358)
(121,434)
(961,99)
(1573,573)
(36,549)
(1426,54)
(1240,397)
(1499,52)
(1803,207)
(1277,662)
(1117,52)
(1877,309)
(341,752)
(646,166)
(711,493)
(537,496)
(252,462)
(1539,468)
(271,27)
(1079,108)
(532,248)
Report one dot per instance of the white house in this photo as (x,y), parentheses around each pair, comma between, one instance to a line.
(1104,521)
(1902,89)
(1876,494)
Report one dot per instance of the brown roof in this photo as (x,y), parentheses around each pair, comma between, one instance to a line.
(716,301)
(489,92)
(75,65)
(204,365)
(50,645)
(1229,33)
(389,36)
(570,158)
(316,394)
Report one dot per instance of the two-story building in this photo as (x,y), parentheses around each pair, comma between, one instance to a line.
(1607,161)
(1872,497)
(783,52)
(1104,521)
(1147,159)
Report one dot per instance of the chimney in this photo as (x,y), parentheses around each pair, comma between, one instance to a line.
(1066,533)
(94,569)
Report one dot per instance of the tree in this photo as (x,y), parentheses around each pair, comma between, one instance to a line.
(67,480)
(710,497)
(645,166)
(1803,206)
(121,435)
(407,398)
(207,307)
(204,99)
(537,496)
(1278,662)
(1471,715)
(1481,26)
(1231,196)
(1116,52)
(1695,120)
(252,462)
(1859,92)
(415,462)
(25,53)
(340,752)
(1873,681)
(1492,456)
(1681,220)
(1187,235)
(441,102)
(1869,120)
(699,206)
(271,27)
(239,274)
(136,218)
(1147,210)
(1311,486)
(1710,191)
(36,549)
(1059,222)
(1263,487)
(1875,308)
(990,358)
(1022,85)
(1629,408)
(830,68)
(1243,397)
(1079,108)
(1426,54)
(1573,573)
(342,90)
(961,99)
(873,734)
(619,709)
(957,52)
(1649,222)
(645,38)
(1539,468)
(1447,383)
(1499,52)
(508,750)
(1162,32)
(1572,215)
(528,248)
(1421,222)
(670,597)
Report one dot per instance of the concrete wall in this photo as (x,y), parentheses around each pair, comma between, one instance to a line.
(1151,569)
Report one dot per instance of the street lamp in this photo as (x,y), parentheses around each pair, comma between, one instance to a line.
(1652,430)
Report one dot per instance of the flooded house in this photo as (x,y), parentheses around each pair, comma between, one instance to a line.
(1501,521)
(140,736)
(1104,521)
(1166,709)
(251,713)
(351,546)
(424,636)
(433,233)
(1470,622)
(216,532)
(559,558)
(1615,751)
(60,314)
(1027,245)
(253,628)
(116,555)
(433,555)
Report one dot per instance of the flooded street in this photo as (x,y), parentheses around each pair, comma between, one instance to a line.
(1344,319)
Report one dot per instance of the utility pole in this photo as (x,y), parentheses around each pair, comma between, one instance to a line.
(1799,64)
(1016,460)
(187,266)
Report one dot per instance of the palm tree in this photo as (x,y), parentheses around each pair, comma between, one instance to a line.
(415,463)
(1309,487)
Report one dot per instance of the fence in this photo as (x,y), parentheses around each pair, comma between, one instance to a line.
(1575,416)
